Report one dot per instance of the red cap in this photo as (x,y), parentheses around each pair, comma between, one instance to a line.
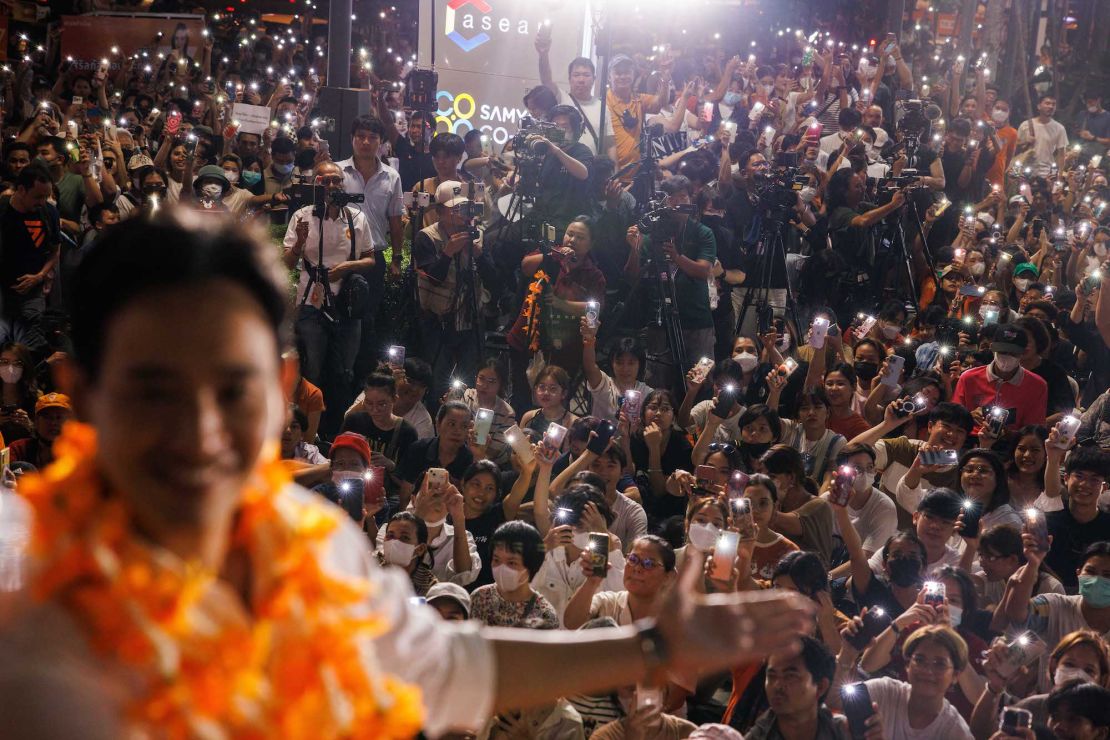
(352,441)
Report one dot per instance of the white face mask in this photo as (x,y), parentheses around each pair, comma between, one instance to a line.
(861,482)
(1006,363)
(1065,674)
(232,176)
(581,540)
(212,191)
(999,116)
(768,89)
(398,553)
(747,361)
(955,614)
(1022,284)
(978,268)
(1092,109)
(10,373)
(703,537)
(1099,249)
(866,71)
(509,579)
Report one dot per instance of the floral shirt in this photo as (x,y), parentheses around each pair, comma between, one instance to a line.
(487,605)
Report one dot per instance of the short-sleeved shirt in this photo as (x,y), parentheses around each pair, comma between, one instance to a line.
(1025,396)
(393,443)
(383,198)
(692,293)
(1069,539)
(308,397)
(875,522)
(28,241)
(1052,616)
(1049,137)
(338,242)
(487,605)
(71,196)
(893,699)
(424,453)
(627,141)
(629,521)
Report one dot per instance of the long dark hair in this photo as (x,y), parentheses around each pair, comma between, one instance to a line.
(28,388)
(1001,494)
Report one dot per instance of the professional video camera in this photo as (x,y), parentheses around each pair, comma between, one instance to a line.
(420,94)
(338,198)
(662,221)
(778,190)
(917,117)
(531,127)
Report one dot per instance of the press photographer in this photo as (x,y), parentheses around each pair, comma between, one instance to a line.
(554,166)
(452,272)
(330,241)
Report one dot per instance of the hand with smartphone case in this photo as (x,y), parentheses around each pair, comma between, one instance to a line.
(601,437)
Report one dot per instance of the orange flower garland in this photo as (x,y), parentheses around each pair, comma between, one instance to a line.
(300,666)
(532,309)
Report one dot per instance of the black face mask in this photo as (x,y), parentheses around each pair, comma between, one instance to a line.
(755,450)
(866,371)
(904,572)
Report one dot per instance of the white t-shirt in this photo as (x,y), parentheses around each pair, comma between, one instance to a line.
(876,522)
(1050,137)
(951,557)
(557,580)
(606,394)
(592,110)
(728,431)
(893,699)
(629,521)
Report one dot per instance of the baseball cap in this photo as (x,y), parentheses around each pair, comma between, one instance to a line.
(1017,200)
(1026,267)
(619,59)
(941,502)
(352,441)
(1009,339)
(53,401)
(138,161)
(450,591)
(450,194)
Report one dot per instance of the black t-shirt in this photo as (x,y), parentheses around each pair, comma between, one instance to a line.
(1060,398)
(1069,540)
(562,197)
(482,528)
(28,241)
(392,443)
(412,164)
(676,455)
(879,594)
(743,218)
(423,454)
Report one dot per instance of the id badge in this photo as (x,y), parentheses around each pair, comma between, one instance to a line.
(316,296)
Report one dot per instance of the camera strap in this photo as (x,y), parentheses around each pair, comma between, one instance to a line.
(586,120)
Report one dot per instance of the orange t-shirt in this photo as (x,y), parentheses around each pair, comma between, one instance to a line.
(627,141)
(996,175)
(308,398)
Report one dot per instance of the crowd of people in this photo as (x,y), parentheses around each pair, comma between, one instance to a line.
(825,319)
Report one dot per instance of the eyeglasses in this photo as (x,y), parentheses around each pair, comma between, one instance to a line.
(335,180)
(655,408)
(922,663)
(986,556)
(726,447)
(645,563)
(979,469)
(10,363)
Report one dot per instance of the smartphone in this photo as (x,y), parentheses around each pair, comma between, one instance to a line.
(996,420)
(548,233)
(396,355)
(789,365)
(1067,428)
(565,516)
(1014,721)
(356,486)
(648,696)
(726,402)
(867,323)
(705,475)
(424,200)
(633,401)
(973,291)
(818,331)
(554,436)
(1020,652)
(990,316)
(78,100)
(707,111)
(603,434)
(1036,525)
(483,420)
(458,388)
(599,554)
(730,126)
(701,370)
(972,512)
(374,491)
(895,363)
(756,111)
(935,593)
(742,520)
(940,457)
(516,439)
(173,122)
(856,701)
(1038,227)
(724,554)
(737,482)
(813,133)
(843,480)
(406,199)
(437,477)
(874,622)
(593,311)
(1092,281)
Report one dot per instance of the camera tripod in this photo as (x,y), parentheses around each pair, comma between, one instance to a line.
(770,250)
(893,260)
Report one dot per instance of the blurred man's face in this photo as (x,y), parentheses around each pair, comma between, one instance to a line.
(17,160)
(1047,107)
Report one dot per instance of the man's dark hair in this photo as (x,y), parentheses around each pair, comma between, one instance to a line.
(677,184)
(1036,327)
(819,661)
(1043,98)
(541,97)
(572,114)
(1087,700)
(368,123)
(283,145)
(952,413)
(1088,460)
(381,380)
(447,143)
(121,268)
(97,211)
(1048,308)
(814,396)
(960,127)
(31,174)
(910,536)
(941,502)
(300,418)
(838,188)
(575,498)
(581,62)
(1097,550)
(852,450)
(449,407)
(523,539)
(848,118)
(18,146)
(805,569)
(418,371)
(57,143)
(1003,540)
(758,411)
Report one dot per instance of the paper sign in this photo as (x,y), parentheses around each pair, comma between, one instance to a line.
(253,119)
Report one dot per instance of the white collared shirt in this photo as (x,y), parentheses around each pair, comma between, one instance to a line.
(443,555)
(383,198)
(337,242)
